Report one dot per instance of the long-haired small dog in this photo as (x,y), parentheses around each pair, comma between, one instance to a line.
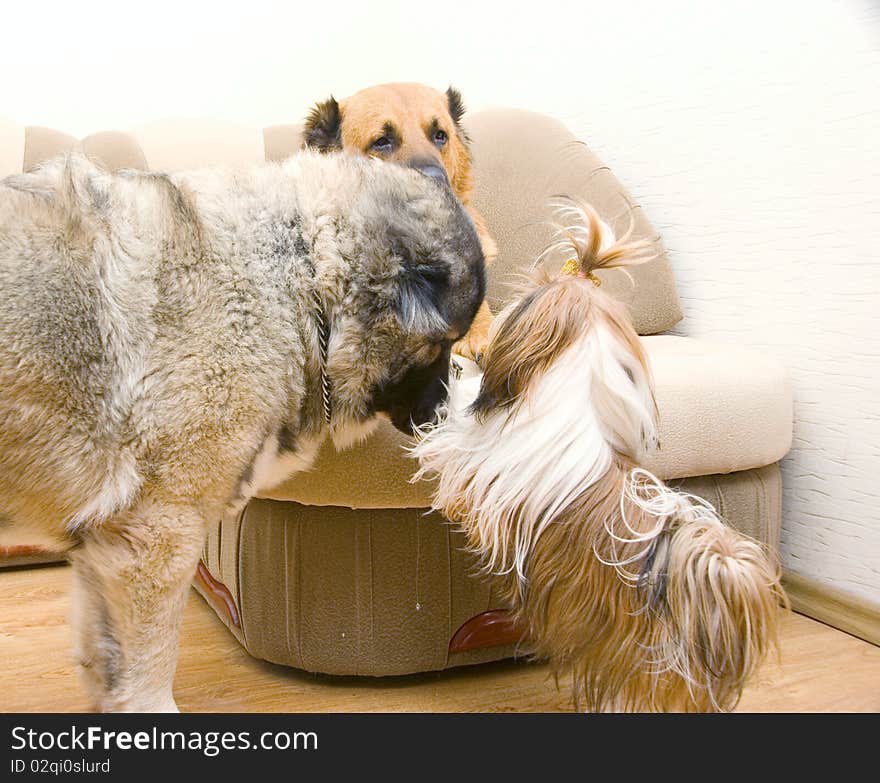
(639,592)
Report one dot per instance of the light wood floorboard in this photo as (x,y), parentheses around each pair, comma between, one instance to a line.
(821,669)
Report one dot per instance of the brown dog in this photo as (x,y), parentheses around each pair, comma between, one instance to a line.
(416,126)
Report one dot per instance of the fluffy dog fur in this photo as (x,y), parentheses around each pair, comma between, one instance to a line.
(637,591)
(161,359)
(413,125)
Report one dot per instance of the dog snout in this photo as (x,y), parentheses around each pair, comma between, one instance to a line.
(430,168)
(423,410)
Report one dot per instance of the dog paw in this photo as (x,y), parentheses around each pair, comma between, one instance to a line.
(471,347)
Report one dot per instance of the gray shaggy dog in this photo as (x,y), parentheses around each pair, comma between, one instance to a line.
(169,344)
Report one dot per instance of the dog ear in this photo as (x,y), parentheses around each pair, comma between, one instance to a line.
(530,339)
(323,127)
(456,105)
(420,288)
(460,172)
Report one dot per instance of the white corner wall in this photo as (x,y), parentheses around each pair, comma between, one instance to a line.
(751,135)
(748,130)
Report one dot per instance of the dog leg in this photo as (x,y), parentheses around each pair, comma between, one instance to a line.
(132,578)
(473,344)
(91,648)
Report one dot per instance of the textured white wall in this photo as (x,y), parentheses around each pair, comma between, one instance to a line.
(752,137)
(748,130)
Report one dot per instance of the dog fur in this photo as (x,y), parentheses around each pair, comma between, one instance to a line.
(412,125)
(161,360)
(640,593)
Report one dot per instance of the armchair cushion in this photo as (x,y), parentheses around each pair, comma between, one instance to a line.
(722,409)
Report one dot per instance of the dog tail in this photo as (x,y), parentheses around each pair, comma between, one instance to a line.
(710,594)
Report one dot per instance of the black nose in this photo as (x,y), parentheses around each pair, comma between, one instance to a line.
(430,168)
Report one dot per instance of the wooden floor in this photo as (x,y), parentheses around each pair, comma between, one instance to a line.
(822,670)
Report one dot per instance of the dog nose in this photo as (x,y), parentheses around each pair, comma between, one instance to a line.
(431,169)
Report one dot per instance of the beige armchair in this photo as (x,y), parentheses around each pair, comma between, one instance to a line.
(341,569)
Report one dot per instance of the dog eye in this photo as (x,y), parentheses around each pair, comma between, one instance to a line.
(440,137)
(382,144)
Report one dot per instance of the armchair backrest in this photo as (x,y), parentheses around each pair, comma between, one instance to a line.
(521,158)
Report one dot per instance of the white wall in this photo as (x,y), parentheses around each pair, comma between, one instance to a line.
(749,131)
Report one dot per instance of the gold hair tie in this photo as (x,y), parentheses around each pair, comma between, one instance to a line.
(572,267)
